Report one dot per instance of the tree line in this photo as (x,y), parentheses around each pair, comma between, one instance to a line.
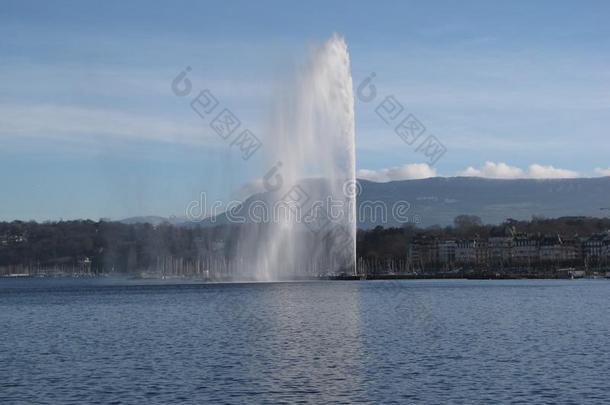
(115,247)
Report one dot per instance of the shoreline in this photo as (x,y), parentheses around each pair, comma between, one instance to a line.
(370,277)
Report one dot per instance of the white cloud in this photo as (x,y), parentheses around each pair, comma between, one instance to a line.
(502,170)
(405,172)
(537,171)
(602,171)
(494,170)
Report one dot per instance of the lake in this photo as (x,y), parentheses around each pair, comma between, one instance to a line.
(450,341)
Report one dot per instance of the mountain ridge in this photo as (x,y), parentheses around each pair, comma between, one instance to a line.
(438,200)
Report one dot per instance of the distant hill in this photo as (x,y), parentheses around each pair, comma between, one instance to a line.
(437,201)
(153,220)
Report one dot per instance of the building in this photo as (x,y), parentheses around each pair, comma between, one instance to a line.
(525,249)
(446,251)
(466,251)
(571,249)
(550,248)
(500,244)
(594,245)
(423,250)
(506,247)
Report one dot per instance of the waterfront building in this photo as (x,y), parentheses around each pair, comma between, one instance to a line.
(525,248)
(446,251)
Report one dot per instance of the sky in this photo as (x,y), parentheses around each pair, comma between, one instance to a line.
(90,126)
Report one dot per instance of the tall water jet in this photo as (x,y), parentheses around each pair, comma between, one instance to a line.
(311,145)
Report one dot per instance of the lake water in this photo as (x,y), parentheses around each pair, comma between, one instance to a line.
(103,341)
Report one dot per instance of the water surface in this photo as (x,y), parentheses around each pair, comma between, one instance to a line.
(98,341)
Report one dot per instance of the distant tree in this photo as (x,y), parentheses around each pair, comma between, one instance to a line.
(467,221)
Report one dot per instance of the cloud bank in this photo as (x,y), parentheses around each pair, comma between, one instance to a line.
(405,172)
(602,171)
(502,170)
(491,170)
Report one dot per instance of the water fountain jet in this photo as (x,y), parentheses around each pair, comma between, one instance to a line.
(312,134)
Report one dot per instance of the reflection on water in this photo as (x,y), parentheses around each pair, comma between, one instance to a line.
(320,342)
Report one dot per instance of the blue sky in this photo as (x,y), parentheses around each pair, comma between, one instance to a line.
(89,126)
